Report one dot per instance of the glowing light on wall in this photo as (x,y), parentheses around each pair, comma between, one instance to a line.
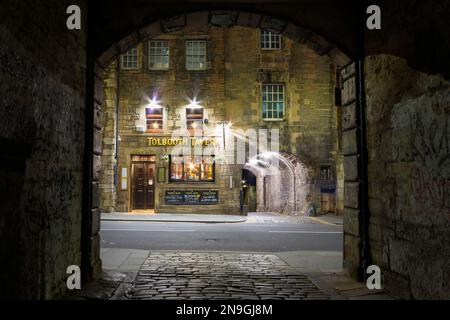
(194,103)
(154,103)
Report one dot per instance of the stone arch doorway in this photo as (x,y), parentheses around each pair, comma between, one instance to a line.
(91,219)
(282,183)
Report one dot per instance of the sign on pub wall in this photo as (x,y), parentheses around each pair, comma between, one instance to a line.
(190,141)
(193,197)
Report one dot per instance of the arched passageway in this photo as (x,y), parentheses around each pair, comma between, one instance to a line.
(45,130)
(282,183)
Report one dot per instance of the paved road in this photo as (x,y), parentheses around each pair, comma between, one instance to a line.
(252,237)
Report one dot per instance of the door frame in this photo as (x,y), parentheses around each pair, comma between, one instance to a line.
(131,180)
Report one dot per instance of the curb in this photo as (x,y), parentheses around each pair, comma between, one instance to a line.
(325,222)
(192,221)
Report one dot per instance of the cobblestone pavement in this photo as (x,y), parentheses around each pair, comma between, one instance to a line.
(199,276)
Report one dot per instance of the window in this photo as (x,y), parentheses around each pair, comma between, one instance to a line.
(130,59)
(325,172)
(273,101)
(192,168)
(270,40)
(154,117)
(194,119)
(196,55)
(158,55)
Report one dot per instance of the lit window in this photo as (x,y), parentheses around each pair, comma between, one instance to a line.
(154,118)
(159,55)
(192,168)
(196,55)
(270,40)
(273,101)
(130,59)
(194,119)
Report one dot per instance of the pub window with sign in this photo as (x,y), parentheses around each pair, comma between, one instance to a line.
(194,119)
(154,118)
(192,169)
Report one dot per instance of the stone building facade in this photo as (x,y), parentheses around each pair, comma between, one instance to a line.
(239,78)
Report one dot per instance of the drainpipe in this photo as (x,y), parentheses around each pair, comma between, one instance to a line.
(366,258)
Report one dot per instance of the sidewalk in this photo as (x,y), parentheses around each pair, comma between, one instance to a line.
(271,217)
(252,217)
(173,217)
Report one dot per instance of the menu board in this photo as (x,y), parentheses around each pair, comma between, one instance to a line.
(192,197)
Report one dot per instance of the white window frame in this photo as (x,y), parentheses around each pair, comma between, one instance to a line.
(196,55)
(267,42)
(125,59)
(272,93)
(156,52)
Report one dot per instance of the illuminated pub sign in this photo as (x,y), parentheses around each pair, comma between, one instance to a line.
(190,141)
(193,197)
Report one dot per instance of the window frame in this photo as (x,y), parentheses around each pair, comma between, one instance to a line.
(184,180)
(126,54)
(150,55)
(159,119)
(187,54)
(193,119)
(283,101)
(270,42)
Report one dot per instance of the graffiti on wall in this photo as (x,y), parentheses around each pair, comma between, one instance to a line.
(421,128)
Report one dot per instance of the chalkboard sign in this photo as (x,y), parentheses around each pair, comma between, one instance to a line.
(192,197)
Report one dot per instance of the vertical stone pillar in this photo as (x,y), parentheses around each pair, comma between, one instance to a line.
(351,152)
(91,262)
(108,157)
(96,263)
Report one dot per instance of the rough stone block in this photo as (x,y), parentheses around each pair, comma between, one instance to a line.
(351,168)
(352,259)
(349,119)
(349,91)
(349,142)
(351,221)
(96,167)
(97,147)
(95,226)
(95,195)
(351,195)
(97,116)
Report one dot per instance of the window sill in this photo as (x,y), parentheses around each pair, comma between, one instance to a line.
(274,120)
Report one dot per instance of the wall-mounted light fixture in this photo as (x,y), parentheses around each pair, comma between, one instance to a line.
(194,103)
(154,103)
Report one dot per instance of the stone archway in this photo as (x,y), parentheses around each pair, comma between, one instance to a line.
(282,183)
(295,204)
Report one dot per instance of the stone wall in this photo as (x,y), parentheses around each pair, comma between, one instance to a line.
(42,99)
(408,143)
(230,91)
(107,183)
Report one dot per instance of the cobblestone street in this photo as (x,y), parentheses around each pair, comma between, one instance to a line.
(199,276)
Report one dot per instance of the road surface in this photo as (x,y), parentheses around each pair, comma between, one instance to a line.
(251,237)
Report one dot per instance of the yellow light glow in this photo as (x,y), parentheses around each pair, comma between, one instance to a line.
(194,103)
(155,125)
(154,103)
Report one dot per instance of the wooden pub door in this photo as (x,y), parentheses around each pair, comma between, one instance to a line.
(143,185)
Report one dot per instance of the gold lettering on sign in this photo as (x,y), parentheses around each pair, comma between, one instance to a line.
(181,141)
